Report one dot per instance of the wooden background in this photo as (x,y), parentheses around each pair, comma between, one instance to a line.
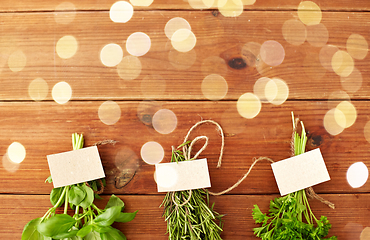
(45,127)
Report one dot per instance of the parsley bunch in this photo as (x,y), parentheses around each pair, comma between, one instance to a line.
(88,222)
(286,214)
(188,215)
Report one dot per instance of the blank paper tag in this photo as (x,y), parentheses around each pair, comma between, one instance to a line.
(181,176)
(299,172)
(75,166)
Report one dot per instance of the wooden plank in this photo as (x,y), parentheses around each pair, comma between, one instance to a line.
(36,34)
(42,5)
(348,219)
(45,128)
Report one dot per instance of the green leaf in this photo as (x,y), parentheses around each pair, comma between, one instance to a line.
(115,201)
(55,195)
(258,216)
(30,230)
(69,234)
(56,225)
(89,198)
(101,229)
(85,230)
(93,236)
(108,217)
(114,234)
(126,217)
(49,179)
(76,195)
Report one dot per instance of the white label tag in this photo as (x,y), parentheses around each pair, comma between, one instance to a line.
(300,172)
(75,166)
(181,176)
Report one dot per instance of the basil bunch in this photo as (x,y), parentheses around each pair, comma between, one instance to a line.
(88,222)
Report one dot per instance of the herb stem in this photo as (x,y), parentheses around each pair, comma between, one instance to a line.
(66,200)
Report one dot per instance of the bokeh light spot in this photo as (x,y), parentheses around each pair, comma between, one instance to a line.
(349,111)
(121,12)
(248,105)
(17,61)
(129,68)
(250,53)
(282,91)
(65,13)
(365,234)
(66,47)
(367,131)
(259,88)
(309,13)
(200,4)
(38,89)
(214,87)
(61,92)
(342,63)
(183,40)
(111,55)
(357,174)
(9,165)
(164,121)
(272,53)
(353,82)
(175,24)
(326,55)
(182,60)
(248,2)
(141,3)
(294,32)
(330,123)
(152,152)
(335,96)
(357,46)
(16,152)
(271,90)
(109,112)
(230,8)
(166,176)
(317,35)
(138,44)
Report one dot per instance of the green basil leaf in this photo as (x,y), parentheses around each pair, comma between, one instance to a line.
(55,195)
(108,217)
(76,195)
(56,225)
(66,235)
(101,229)
(126,217)
(89,198)
(115,201)
(114,234)
(85,230)
(93,236)
(30,230)
(72,238)
(49,179)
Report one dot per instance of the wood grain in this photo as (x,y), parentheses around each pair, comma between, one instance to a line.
(347,223)
(36,34)
(45,128)
(41,5)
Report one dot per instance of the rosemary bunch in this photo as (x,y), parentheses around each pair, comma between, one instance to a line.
(188,214)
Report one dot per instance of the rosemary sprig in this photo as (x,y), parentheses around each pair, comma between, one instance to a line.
(188,214)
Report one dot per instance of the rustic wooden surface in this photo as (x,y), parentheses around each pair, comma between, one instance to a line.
(45,127)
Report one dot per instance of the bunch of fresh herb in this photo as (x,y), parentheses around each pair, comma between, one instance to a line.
(286,214)
(188,214)
(88,222)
